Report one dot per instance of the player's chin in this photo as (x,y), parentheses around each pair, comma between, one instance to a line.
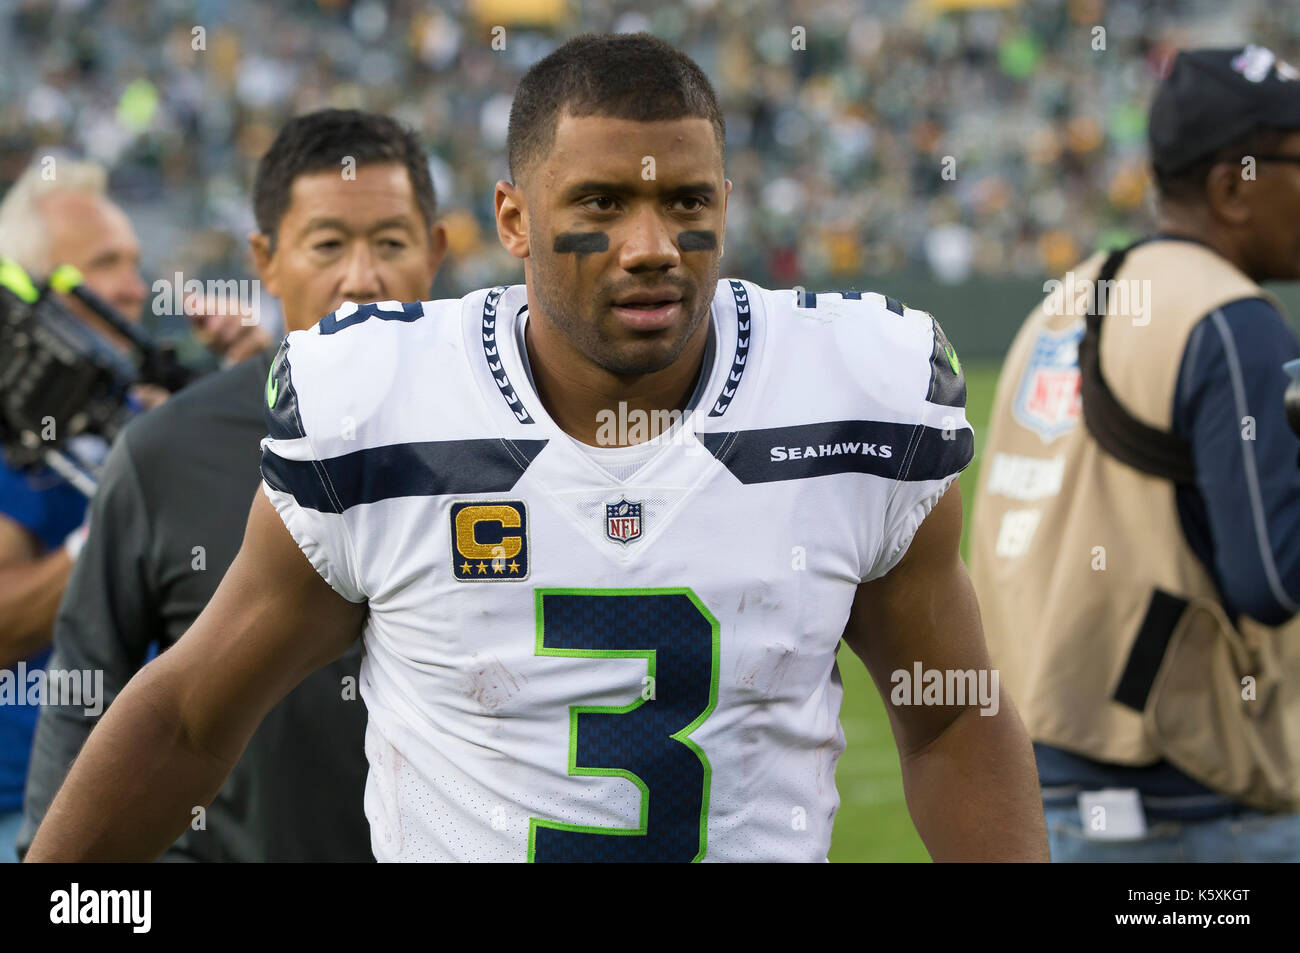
(628,353)
(641,357)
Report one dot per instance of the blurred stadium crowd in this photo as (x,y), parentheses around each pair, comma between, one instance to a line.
(836,150)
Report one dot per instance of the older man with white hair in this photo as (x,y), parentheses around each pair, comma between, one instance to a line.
(59,213)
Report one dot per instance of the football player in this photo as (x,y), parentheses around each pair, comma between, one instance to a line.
(578,651)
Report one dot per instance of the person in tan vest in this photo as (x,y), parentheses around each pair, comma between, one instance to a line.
(1136,534)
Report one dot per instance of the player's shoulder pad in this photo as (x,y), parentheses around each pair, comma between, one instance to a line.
(880,342)
(327,379)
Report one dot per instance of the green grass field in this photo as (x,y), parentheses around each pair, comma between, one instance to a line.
(873,823)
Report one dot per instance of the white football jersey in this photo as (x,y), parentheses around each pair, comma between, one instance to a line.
(566,666)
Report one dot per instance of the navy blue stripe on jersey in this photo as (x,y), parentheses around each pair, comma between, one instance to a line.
(492,354)
(894,305)
(947,380)
(283,422)
(908,452)
(741,357)
(434,468)
(332,323)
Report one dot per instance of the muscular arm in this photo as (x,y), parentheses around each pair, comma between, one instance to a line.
(169,740)
(30,589)
(970,780)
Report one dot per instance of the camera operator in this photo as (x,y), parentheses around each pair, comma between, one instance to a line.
(1137,527)
(65,218)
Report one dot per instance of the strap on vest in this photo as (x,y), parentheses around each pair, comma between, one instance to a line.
(1162,615)
(1159,453)
(1156,452)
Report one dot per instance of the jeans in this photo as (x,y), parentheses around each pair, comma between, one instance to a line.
(1245,836)
(9,836)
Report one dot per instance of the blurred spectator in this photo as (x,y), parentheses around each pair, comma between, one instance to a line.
(839,118)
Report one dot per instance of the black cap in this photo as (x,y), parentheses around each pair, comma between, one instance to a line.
(1213,97)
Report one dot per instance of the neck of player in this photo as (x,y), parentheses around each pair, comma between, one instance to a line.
(576,391)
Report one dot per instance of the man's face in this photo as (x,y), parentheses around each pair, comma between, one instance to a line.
(92,234)
(624,223)
(359,239)
(1275,216)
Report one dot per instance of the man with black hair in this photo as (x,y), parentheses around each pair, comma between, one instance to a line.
(1119,564)
(584,641)
(345,210)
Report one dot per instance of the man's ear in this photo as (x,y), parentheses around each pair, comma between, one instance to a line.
(512,218)
(437,248)
(1227,194)
(264,261)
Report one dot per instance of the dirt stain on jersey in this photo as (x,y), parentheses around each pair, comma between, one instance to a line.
(764,670)
(490,684)
(387,765)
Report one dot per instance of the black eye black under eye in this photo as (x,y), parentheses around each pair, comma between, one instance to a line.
(697,240)
(581,243)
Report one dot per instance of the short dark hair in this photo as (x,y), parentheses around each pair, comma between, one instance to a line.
(319,140)
(626,75)
(1188,185)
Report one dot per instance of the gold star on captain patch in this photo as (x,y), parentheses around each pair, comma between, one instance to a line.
(466,568)
(497,567)
(514,566)
(482,569)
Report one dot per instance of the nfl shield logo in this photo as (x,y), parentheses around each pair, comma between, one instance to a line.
(623,521)
(1048,400)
